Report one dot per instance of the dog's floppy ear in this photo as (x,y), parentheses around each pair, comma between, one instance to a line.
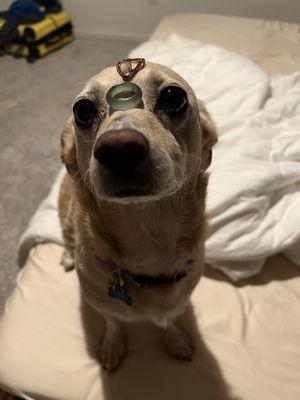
(68,148)
(210,136)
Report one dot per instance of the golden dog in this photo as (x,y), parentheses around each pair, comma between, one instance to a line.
(132,203)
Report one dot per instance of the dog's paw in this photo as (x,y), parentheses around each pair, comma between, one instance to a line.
(112,350)
(67,261)
(177,343)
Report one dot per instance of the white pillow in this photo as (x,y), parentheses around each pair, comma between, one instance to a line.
(228,83)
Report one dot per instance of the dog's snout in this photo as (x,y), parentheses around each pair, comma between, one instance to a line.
(121,150)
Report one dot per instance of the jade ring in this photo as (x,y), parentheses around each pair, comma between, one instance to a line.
(124,96)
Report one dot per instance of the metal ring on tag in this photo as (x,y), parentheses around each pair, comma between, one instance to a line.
(124,96)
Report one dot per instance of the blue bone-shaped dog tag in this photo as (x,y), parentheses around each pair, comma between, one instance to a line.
(118,292)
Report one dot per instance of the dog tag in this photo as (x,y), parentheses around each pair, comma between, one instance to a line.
(118,292)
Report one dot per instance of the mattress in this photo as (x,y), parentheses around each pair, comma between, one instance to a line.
(273,45)
(247,335)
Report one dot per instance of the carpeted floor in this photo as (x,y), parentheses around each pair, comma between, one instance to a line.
(35,101)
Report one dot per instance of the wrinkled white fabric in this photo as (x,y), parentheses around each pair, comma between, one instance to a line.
(253,204)
(44,225)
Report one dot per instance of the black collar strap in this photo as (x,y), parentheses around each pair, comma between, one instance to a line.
(117,290)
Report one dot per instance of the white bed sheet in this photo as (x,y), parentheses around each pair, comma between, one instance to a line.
(253,205)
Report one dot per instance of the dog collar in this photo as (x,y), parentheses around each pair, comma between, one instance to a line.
(118,290)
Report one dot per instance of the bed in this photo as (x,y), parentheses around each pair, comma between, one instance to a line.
(247,333)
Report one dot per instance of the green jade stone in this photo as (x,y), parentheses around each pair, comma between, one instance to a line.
(124,96)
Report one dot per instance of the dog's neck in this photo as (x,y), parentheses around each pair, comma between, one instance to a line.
(153,230)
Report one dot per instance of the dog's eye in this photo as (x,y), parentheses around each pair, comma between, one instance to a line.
(173,99)
(85,111)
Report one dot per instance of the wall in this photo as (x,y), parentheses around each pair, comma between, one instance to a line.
(4,4)
(137,18)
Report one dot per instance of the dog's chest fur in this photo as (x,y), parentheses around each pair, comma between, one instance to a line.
(151,238)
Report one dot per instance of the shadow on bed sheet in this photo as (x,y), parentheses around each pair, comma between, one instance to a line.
(148,373)
(276,268)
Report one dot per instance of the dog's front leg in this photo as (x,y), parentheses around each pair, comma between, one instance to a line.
(113,344)
(176,342)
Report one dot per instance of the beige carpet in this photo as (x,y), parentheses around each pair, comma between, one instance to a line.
(35,100)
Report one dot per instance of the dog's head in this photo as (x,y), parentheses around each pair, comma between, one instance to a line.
(143,153)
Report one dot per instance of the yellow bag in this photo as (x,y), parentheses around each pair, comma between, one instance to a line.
(38,39)
(39,49)
(33,32)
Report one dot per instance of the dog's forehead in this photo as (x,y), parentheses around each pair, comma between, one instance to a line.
(152,74)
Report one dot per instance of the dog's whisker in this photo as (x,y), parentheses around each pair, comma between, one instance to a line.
(199,158)
(88,141)
(89,184)
(192,156)
(75,183)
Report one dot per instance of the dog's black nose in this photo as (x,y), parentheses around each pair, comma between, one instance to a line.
(121,150)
